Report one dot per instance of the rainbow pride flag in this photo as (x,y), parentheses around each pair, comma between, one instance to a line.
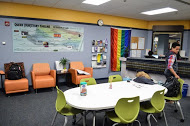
(120,40)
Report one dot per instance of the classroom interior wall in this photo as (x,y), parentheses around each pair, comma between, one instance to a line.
(91,32)
(32,11)
(23,10)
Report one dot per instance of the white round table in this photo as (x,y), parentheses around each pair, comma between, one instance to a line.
(100,97)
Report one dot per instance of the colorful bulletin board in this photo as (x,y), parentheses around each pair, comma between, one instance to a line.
(46,38)
(99,50)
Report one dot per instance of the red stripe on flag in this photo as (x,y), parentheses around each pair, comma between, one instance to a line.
(114,39)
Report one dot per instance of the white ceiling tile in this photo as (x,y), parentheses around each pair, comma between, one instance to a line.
(23,1)
(5,0)
(187,0)
(130,8)
(61,3)
(48,3)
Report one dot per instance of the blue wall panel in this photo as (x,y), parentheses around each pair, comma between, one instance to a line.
(91,32)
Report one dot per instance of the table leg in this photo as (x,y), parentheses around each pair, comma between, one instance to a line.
(57,79)
(66,80)
(84,118)
(94,118)
(1,82)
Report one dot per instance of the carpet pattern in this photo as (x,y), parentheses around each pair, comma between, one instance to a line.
(38,110)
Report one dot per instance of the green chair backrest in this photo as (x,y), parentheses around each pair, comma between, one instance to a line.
(115,78)
(89,81)
(60,101)
(158,101)
(127,109)
(181,88)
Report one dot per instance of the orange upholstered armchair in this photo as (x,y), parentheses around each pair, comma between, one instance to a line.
(74,66)
(42,76)
(14,86)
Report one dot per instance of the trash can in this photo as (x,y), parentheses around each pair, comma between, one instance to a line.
(185,89)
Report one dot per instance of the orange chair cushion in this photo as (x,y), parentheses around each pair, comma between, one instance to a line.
(77,65)
(41,69)
(44,81)
(14,85)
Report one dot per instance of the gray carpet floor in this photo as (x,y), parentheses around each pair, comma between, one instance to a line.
(38,110)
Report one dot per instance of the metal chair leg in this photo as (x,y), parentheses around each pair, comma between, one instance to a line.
(84,118)
(66,119)
(182,120)
(154,118)
(74,120)
(115,124)
(54,118)
(148,119)
(165,117)
(132,124)
(94,118)
(175,103)
(138,122)
(104,119)
(160,115)
(79,118)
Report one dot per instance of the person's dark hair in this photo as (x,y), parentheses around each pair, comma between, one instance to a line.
(175,44)
(150,53)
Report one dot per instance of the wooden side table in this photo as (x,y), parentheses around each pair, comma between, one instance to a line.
(65,75)
(2,73)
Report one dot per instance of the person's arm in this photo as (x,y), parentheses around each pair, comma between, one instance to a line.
(170,64)
(174,73)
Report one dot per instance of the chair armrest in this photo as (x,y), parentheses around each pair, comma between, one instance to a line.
(53,74)
(89,70)
(73,72)
(73,75)
(33,79)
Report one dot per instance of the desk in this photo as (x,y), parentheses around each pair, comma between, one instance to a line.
(184,58)
(100,97)
(67,76)
(2,73)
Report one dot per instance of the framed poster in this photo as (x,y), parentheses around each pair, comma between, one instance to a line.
(46,38)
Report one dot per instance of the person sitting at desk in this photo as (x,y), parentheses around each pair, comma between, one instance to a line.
(150,55)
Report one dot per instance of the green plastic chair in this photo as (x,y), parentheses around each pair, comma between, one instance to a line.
(63,108)
(115,78)
(126,111)
(156,105)
(176,99)
(89,81)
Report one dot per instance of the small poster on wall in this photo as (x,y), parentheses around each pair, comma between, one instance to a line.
(99,50)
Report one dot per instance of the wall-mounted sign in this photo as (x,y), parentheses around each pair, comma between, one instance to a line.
(46,38)
(7,23)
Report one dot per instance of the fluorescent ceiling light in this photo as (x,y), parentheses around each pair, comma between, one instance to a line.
(159,11)
(95,2)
